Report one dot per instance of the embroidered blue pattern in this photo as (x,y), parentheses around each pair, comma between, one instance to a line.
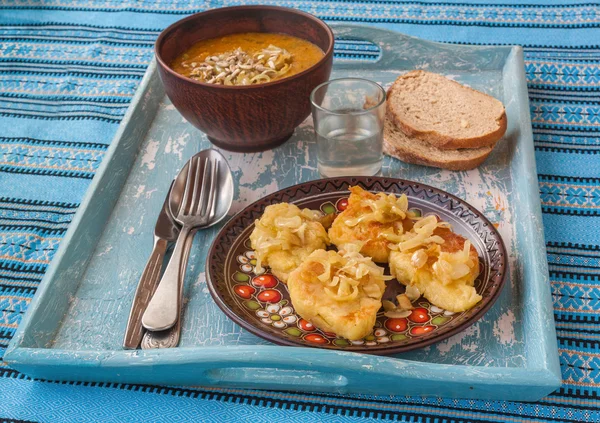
(68,70)
(539,15)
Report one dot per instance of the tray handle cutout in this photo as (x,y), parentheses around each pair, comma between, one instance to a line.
(273,378)
(374,48)
(379,49)
(356,50)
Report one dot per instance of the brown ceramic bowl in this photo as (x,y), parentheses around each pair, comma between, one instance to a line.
(244,118)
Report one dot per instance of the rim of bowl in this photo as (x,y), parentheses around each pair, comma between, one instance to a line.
(174,25)
(353,113)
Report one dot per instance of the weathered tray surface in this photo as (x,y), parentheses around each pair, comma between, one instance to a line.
(74,327)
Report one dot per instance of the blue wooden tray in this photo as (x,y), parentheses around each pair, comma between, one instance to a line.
(74,326)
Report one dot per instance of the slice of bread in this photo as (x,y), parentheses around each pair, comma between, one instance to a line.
(416,151)
(444,113)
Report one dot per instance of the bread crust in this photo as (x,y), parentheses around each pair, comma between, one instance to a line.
(436,139)
(410,157)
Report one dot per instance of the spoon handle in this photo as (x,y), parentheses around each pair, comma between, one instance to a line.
(143,293)
(170,338)
(163,310)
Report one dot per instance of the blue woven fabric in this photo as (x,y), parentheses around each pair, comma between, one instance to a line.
(68,70)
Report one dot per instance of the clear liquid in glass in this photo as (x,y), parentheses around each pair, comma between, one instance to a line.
(349,145)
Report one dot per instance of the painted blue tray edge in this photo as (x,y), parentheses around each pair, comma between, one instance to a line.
(361,373)
(299,369)
(141,109)
(541,335)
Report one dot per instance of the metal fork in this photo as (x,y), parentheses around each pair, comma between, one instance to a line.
(196,209)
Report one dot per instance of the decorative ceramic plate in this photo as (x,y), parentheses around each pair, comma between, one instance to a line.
(261,304)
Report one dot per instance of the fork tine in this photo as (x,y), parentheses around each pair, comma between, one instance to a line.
(197,189)
(204,191)
(212,196)
(188,189)
(214,186)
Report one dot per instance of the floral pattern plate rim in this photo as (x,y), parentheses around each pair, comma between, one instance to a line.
(261,304)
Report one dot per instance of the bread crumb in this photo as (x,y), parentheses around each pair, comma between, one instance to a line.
(464,123)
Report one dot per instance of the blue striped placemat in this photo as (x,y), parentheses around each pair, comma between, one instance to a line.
(68,70)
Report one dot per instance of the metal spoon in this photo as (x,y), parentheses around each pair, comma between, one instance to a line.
(168,338)
(201,197)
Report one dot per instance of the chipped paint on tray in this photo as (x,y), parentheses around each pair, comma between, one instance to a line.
(459,341)
(504,328)
(175,145)
(140,191)
(106,251)
(150,154)
(201,279)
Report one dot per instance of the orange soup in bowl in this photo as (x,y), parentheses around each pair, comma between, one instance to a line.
(247,58)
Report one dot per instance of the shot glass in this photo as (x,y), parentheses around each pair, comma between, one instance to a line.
(348,116)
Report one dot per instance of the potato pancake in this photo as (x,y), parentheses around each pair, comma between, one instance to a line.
(442,265)
(372,221)
(338,293)
(285,235)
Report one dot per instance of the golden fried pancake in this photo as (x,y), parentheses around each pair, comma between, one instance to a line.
(339,294)
(371,220)
(443,269)
(284,236)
